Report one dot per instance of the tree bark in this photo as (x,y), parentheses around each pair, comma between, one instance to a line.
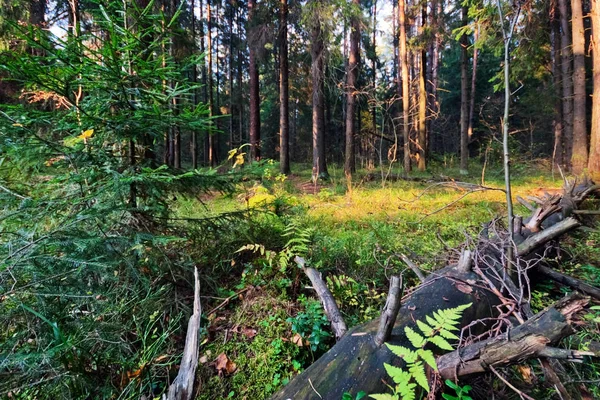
(319,169)
(464,99)
(473,85)
(558,152)
(284,126)
(351,79)
(579,158)
(567,83)
(211,111)
(405,84)
(594,161)
(254,83)
(422,135)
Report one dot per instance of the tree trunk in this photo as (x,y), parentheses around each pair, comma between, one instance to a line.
(594,161)
(473,85)
(211,112)
(355,363)
(352,77)
(558,152)
(567,83)
(405,84)
(464,99)
(579,158)
(194,138)
(254,83)
(318,118)
(422,135)
(284,128)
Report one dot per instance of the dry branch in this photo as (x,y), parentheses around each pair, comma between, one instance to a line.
(390,311)
(570,281)
(182,387)
(329,305)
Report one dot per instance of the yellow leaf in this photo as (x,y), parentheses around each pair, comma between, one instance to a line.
(239,160)
(19,125)
(86,134)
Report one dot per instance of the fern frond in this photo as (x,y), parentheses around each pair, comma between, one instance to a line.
(441,343)
(408,355)
(415,339)
(428,357)
(417,371)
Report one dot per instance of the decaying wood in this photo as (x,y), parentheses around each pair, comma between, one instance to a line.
(570,281)
(465,261)
(329,305)
(390,311)
(182,387)
(528,340)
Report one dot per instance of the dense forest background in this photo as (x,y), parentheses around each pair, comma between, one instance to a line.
(141,138)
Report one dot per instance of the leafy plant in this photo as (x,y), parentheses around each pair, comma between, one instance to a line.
(298,244)
(437,331)
(461,391)
(312,325)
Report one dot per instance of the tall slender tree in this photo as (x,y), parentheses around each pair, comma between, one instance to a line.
(351,80)
(473,84)
(405,83)
(557,123)
(594,160)
(567,83)
(284,125)
(254,83)
(422,134)
(464,97)
(317,48)
(579,156)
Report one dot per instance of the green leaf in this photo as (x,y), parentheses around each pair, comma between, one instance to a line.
(441,343)
(426,329)
(398,375)
(428,357)
(451,384)
(449,397)
(447,335)
(417,370)
(415,339)
(383,396)
(408,355)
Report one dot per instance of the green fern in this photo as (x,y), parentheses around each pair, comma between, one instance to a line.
(436,331)
(298,245)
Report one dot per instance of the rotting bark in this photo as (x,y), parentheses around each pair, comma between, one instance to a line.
(529,340)
(355,363)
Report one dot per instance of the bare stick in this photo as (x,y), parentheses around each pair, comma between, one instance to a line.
(517,391)
(182,387)
(331,309)
(525,203)
(390,311)
(414,267)
(570,281)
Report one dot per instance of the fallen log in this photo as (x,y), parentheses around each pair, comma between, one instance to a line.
(355,362)
(529,340)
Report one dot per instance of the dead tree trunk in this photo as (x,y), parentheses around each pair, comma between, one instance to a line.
(355,363)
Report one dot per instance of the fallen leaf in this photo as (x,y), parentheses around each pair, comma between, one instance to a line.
(297,340)
(464,288)
(224,365)
(525,371)
(203,359)
(249,332)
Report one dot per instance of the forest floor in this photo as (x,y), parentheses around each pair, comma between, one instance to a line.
(266,325)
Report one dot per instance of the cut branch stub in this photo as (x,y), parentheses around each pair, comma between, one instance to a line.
(390,311)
